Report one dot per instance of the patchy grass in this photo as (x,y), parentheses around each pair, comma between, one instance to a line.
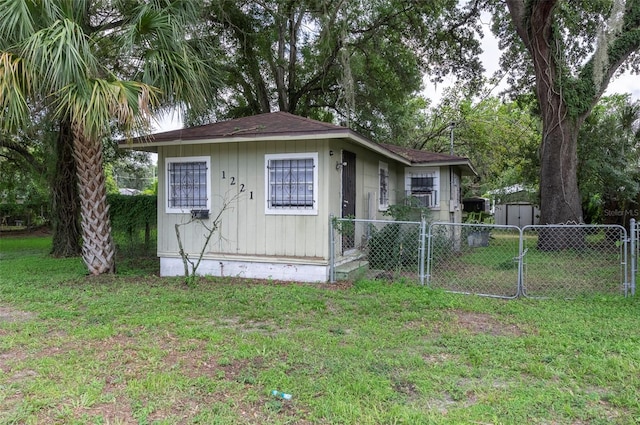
(134,348)
(597,268)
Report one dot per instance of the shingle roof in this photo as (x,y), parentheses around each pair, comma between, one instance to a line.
(262,125)
(420,157)
(285,125)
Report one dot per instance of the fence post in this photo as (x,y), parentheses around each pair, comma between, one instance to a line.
(423,250)
(332,251)
(634,255)
(521,254)
(429,254)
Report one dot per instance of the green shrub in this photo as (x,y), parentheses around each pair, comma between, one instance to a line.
(30,213)
(394,246)
(133,220)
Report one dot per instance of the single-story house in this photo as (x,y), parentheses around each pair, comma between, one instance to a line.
(287,176)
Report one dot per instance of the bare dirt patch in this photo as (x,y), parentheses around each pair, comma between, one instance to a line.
(439,358)
(116,412)
(19,233)
(10,314)
(484,323)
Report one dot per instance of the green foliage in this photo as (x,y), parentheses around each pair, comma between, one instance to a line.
(396,245)
(132,211)
(578,29)
(393,247)
(134,220)
(577,48)
(100,67)
(347,62)
(31,213)
(23,164)
(408,210)
(110,181)
(152,189)
(608,172)
(500,138)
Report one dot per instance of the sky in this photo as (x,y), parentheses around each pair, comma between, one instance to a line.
(626,83)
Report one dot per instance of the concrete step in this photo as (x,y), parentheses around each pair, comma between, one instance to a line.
(352,270)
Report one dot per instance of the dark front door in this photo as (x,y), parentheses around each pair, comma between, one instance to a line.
(348,197)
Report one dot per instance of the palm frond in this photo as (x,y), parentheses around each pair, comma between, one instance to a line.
(14,92)
(60,55)
(160,33)
(102,102)
(16,21)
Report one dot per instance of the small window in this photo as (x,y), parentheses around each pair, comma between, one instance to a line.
(383,197)
(187,184)
(292,183)
(422,188)
(421,184)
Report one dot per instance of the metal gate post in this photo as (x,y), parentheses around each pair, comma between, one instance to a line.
(633,233)
(332,251)
(521,254)
(429,253)
(423,249)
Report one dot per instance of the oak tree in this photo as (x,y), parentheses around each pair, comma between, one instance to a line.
(569,51)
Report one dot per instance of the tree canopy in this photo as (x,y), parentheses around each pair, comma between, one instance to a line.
(568,52)
(609,155)
(350,62)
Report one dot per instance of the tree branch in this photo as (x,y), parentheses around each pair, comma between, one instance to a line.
(14,146)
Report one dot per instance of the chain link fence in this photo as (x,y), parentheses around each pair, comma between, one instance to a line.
(634,251)
(379,249)
(480,259)
(564,261)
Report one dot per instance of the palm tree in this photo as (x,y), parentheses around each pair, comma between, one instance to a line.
(96,64)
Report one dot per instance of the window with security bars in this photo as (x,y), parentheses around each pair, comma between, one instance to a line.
(422,188)
(291,183)
(187,181)
(383,201)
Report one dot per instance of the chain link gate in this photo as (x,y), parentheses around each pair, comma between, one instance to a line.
(540,261)
(572,260)
(480,259)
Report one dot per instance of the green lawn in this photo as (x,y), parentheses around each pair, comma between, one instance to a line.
(135,348)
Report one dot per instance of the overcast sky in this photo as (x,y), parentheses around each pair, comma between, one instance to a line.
(626,83)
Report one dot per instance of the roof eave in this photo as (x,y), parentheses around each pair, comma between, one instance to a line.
(464,164)
(152,146)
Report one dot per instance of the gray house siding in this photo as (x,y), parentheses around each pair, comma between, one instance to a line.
(245,228)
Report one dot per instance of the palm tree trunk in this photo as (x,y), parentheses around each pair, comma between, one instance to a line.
(65,208)
(98,250)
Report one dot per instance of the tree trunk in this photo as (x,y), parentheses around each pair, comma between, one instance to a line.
(560,201)
(98,250)
(65,207)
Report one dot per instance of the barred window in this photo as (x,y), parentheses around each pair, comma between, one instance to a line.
(187,183)
(292,181)
(421,184)
(422,188)
(383,198)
